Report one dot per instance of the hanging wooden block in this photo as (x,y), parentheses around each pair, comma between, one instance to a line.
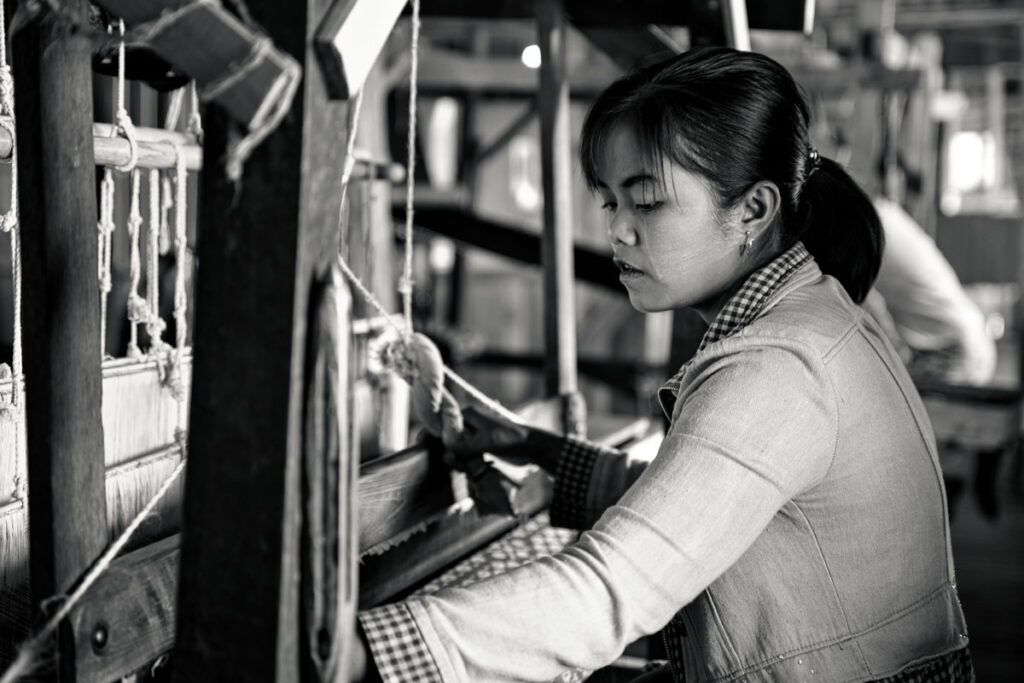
(236,67)
(349,40)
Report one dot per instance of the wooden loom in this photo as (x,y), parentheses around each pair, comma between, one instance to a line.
(266,250)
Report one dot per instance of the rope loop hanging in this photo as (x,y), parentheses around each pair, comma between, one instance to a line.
(122,120)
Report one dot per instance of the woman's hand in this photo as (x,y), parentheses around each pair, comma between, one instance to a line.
(516,444)
(487,433)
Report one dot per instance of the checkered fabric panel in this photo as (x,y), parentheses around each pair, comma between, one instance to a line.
(572,481)
(955,667)
(536,538)
(398,648)
(746,304)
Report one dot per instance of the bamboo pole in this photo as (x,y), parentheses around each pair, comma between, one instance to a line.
(556,240)
(157,147)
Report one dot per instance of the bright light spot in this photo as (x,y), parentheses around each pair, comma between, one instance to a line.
(442,255)
(971,160)
(531,56)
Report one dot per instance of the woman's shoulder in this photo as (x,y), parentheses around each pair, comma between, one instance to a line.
(815,315)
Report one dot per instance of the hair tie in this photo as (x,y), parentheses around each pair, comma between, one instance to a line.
(813,162)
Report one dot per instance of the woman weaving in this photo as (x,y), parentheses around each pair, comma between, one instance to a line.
(793,525)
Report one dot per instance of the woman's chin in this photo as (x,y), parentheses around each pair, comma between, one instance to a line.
(645,304)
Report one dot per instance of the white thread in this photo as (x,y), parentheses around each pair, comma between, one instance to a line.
(137,310)
(405,284)
(236,72)
(174,109)
(238,152)
(350,162)
(166,204)
(449,373)
(180,295)
(105,229)
(195,121)
(154,324)
(29,651)
(122,121)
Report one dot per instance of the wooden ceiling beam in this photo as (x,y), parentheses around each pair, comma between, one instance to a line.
(778,15)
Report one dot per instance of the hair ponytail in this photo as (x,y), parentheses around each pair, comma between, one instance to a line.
(737,118)
(840,227)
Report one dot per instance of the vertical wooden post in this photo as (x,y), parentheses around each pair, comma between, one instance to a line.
(262,244)
(557,239)
(67,508)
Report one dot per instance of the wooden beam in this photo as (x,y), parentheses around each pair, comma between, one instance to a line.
(67,509)
(446,71)
(132,606)
(778,15)
(557,238)
(127,618)
(518,125)
(349,40)
(590,265)
(271,237)
(631,46)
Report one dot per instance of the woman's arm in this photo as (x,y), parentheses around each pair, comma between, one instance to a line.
(588,476)
(759,429)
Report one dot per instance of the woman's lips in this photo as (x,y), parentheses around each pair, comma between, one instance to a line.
(626,270)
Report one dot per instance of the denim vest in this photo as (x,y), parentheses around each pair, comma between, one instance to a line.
(798,603)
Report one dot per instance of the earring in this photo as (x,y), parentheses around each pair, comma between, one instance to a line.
(748,242)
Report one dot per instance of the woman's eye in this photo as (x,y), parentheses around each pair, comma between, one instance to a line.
(609,207)
(647,208)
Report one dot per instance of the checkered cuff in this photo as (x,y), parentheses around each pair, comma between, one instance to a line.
(398,648)
(572,483)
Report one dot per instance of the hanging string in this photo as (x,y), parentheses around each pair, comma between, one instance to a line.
(180,295)
(122,121)
(173,112)
(405,284)
(195,121)
(105,228)
(138,311)
(154,323)
(480,396)
(350,163)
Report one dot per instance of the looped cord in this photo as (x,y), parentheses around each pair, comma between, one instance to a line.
(122,121)
(123,125)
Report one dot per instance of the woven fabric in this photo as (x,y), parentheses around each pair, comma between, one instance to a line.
(748,302)
(536,538)
(398,648)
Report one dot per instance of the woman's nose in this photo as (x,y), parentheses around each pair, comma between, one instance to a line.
(622,231)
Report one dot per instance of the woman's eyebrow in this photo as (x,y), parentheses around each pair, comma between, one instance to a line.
(639,178)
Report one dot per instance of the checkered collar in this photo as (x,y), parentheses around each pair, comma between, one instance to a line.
(741,309)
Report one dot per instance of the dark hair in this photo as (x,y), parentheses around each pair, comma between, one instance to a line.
(737,118)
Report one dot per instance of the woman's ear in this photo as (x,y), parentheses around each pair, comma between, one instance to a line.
(760,206)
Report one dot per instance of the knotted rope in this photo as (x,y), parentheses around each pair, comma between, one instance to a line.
(413,355)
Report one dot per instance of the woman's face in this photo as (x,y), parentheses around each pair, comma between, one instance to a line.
(673,245)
